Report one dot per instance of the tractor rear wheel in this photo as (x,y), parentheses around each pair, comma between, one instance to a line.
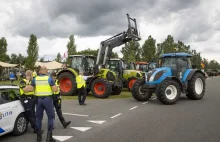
(131,82)
(196,87)
(168,92)
(139,93)
(101,88)
(67,84)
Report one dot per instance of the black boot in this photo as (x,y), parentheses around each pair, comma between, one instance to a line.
(35,131)
(65,124)
(49,137)
(39,137)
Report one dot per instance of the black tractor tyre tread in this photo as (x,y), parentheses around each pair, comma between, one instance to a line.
(191,93)
(107,85)
(117,90)
(160,92)
(129,81)
(73,90)
(136,94)
(15,130)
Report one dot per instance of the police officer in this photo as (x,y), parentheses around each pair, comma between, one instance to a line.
(28,99)
(57,102)
(44,88)
(81,84)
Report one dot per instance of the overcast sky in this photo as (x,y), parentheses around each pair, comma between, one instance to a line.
(195,22)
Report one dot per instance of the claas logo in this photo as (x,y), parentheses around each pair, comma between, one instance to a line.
(2,115)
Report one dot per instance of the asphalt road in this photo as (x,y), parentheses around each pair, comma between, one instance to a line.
(126,120)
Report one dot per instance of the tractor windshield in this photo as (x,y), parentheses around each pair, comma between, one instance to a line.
(129,66)
(112,64)
(168,62)
(77,63)
(142,67)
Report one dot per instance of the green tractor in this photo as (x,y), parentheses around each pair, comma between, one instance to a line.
(101,81)
(129,74)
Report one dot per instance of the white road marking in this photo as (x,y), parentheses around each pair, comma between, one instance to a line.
(144,103)
(154,98)
(83,129)
(62,138)
(116,115)
(76,114)
(133,108)
(97,122)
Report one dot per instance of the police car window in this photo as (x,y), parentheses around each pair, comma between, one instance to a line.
(8,95)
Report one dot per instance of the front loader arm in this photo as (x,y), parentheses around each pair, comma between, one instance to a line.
(106,46)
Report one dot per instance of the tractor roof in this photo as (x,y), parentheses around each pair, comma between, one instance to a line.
(82,55)
(180,54)
(142,63)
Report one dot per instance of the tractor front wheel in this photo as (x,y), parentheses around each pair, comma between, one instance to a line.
(139,93)
(168,92)
(101,88)
(131,82)
(67,84)
(196,89)
(116,89)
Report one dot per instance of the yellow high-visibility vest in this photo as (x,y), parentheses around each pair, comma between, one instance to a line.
(80,81)
(42,87)
(27,93)
(34,74)
(58,86)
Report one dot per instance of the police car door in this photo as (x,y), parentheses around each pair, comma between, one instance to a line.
(5,112)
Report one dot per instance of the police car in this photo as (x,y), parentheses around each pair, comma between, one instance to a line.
(12,117)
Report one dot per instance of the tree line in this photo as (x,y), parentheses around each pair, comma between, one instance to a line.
(131,51)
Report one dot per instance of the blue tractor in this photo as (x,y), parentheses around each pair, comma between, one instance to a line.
(174,77)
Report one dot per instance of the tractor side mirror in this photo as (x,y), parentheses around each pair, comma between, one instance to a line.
(194,66)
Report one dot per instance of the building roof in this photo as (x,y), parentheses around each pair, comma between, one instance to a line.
(180,54)
(7,65)
(50,65)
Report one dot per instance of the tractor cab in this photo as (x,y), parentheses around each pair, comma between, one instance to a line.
(142,66)
(178,62)
(83,63)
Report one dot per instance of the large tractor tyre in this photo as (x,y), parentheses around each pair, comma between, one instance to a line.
(168,92)
(196,87)
(67,84)
(131,82)
(116,90)
(101,88)
(139,93)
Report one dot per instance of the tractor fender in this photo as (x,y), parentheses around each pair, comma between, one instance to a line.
(177,80)
(70,70)
(192,72)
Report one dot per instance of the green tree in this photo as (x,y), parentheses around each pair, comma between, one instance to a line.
(71,46)
(148,50)
(131,51)
(88,52)
(42,59)
(14,59)
(181,47)
(58,59)
(196,59)
(114,55)
(32,52)
(168,46)
(3,50)
(214,65)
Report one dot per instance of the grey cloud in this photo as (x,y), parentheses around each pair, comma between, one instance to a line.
(58,18)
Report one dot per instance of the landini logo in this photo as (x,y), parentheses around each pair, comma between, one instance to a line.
(5,114)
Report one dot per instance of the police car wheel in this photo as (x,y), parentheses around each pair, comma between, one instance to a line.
(21,124)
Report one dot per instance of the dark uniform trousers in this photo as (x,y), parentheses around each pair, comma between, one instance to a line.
(29,106)
(45,103)
(82,95)
(57,105)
